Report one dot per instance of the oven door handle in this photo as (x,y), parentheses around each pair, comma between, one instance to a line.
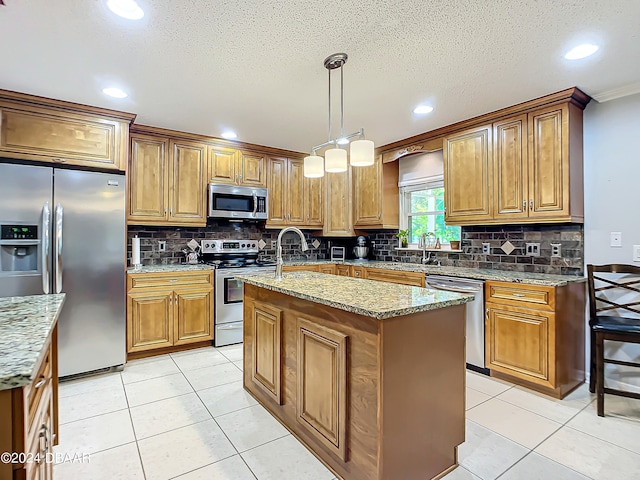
(255,204)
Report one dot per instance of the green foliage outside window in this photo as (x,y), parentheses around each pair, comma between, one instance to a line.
(426,214)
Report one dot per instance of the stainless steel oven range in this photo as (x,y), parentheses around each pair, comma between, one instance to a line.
(231,258)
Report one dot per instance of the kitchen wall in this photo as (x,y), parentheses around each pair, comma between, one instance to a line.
(570,236)
(176,239)
(611,173)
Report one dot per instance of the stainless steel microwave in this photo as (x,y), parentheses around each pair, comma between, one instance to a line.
(229,201)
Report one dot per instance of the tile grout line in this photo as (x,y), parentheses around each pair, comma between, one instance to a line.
(133,428)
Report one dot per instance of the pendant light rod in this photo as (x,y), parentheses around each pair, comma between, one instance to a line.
(329,72)
(341,101)
(333,141)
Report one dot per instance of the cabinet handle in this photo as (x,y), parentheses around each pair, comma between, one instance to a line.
(165,212)
(486,315)
(171,212)
(524,204)
(530,204)
(307,217)
(379,215)
(60,160)
(173,280)
(518,294)
(171,299)
(42,381)
(240,178)
(236,178)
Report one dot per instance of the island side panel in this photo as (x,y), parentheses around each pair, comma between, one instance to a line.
(362,378)
(423,392)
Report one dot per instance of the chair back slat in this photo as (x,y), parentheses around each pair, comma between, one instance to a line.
(613,293)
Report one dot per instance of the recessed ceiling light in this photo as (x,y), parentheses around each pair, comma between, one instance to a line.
(114,92)
(423,109)
(581,51)
(128,9)
(229,135)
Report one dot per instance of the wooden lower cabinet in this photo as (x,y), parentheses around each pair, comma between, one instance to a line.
(29,420)
(343,270)
(404,278)
(168,310)
(266,365)
(328,269)
(535,335)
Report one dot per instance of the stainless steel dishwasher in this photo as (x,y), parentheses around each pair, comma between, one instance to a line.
(475,315)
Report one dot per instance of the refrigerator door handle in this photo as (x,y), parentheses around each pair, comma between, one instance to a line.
(45,246)
(58,249)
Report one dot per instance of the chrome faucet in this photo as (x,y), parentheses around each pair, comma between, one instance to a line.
(279,261)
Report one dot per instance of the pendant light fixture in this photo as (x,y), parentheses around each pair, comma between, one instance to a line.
(335,159)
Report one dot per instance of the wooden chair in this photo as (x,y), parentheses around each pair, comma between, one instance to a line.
(605,287)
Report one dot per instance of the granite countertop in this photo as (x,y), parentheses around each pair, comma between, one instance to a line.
(181,267)
(26,324)
(379,300)
(475,273)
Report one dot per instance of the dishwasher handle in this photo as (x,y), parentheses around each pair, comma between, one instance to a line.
(457,289)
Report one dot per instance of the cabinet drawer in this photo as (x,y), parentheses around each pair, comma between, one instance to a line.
(531,296)
(300,268)
(36,393)
(403,278)
(357,272)
(151,280)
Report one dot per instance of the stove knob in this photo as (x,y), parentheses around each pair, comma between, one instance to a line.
(243,245)
(206,245)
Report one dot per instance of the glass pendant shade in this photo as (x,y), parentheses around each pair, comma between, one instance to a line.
(335,160)
(313,166)
(361,153)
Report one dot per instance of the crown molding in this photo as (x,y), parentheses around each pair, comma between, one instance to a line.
(617,93)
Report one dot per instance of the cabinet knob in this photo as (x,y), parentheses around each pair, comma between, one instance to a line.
(41,382)
(236,177)
(524,204)
(530,204)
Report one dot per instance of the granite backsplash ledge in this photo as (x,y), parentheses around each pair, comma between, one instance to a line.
(569,236)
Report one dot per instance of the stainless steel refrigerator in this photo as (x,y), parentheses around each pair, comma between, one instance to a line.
(64,231)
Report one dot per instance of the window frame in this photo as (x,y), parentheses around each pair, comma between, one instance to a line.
(437,181)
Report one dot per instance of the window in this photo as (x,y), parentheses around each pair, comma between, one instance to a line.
(422,211)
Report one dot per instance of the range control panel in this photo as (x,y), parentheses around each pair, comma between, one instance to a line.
(229,246)
(18,232)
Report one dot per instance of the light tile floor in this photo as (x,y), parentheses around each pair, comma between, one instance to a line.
(186,416)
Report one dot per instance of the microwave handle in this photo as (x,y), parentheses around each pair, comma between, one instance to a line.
(255,204)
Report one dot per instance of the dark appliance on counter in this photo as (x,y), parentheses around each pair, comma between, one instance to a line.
(231,258)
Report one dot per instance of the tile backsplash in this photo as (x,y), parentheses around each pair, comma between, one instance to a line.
(569,236)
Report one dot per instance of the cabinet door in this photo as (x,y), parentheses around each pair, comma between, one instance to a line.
(222,164)
(313,201)
(328,269)
(338,204)
(321,400)
(342,270)
(277,181)
(266,361)
(358,272)
(148,187)
(549,163)
(46,135)
(187,185)
(403,278)
(252,169)
(193,320)
(367,183)
(295,193)
(510,168)
(467,176)
(149,320)
(520,342)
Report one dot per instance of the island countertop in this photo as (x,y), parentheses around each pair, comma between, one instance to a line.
(379,300)
(26,324)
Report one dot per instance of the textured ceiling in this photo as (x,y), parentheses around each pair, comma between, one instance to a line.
(204,66)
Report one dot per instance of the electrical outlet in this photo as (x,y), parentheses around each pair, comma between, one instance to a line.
(556,250)
(162,245)
(486,248)
(616,239)
(532,249)
(636,253)
(274,244)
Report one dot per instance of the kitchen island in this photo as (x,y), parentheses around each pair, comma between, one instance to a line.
(29,383)
(370,376)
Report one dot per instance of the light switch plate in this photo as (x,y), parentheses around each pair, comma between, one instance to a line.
(274,244)
(532,249)
(162,245)
(616,239)
(636,253)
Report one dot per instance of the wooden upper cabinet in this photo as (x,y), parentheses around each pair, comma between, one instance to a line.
(468,175)
(63,135)
(510,168)
(222,164)
(293,198)
(375,195)
(549,162)
(148,186)
(277,185)
(233,167)
(338,205)
(252,169)
(187,199)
